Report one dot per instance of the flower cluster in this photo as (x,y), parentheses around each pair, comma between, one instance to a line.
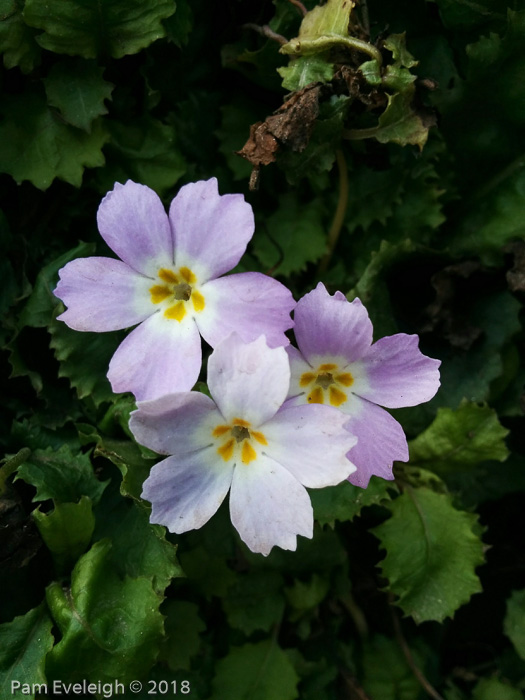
(279,418)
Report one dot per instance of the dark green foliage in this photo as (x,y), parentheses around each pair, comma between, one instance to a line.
(406,189)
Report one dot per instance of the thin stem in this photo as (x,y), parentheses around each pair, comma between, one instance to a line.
(355,612)
(364,16)
(360,134)
(267,32)
(339,216)
(299,5)
(424,683)
(307,47)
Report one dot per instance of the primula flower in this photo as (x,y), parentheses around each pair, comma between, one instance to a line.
(166,281)
(242,441)
(337,364)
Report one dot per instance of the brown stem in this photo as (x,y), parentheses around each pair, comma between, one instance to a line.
(267,32)
(339,216)
(299,5)
(424,683)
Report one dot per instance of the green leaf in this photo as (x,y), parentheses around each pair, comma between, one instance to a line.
(235,126)
(345,501)
(387,675)
(67,530)
(467,15)
(17,40)
(62,475)
(460,439)
(400,123)
(304,70)
(139,548)
(183,626)
(145,151)
(494,689)
(179,25)
(36,145)
(299,236)
(432,553)
(306,595)
(111,628)
(84,359)
(88,28)
(514,622)
(255,601)
(39,308)
(77,89)
(207,572)
(259,671)
(24,643)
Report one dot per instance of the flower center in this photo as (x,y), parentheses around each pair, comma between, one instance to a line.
(175,290)
(327,379)
(239,441)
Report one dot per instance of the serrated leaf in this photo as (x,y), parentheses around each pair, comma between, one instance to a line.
(76,87)
(345,501)
(39,308)
(183,626)
(24,643)
(514,622)
(84,359)
(66,530)
(36,145)
(145,151)
(494,689)
(17,40)
(373,196)
(299,234)
(460,439)
(259,671)
(61,475)
(88,28)
(387,675)
(111,628)
(432,553)
(139,548)
(255,601)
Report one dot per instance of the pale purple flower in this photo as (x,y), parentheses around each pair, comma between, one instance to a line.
(244,442)
(167,281)
(337,364)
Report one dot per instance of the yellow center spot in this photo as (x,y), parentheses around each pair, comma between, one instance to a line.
(177,289)
(239,441)
(327,380)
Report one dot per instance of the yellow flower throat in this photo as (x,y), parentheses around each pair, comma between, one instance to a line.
(238,441)
(327,383)
(177,290)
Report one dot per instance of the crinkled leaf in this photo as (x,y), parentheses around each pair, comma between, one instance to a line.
(61,475)
(145,151)
(299,235)
(400,123)
(387,675)
(255,601)
(139,548)
(66,530)
(17,40)
(460,438)
(183,626)
(305,70)
(24,643)
(84,359)
(89,28)
(36,144)
(345,501)
(76,87)
(514,622)
(494,689)
(259,671)
(39,308)
(111,628)
(432,553)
